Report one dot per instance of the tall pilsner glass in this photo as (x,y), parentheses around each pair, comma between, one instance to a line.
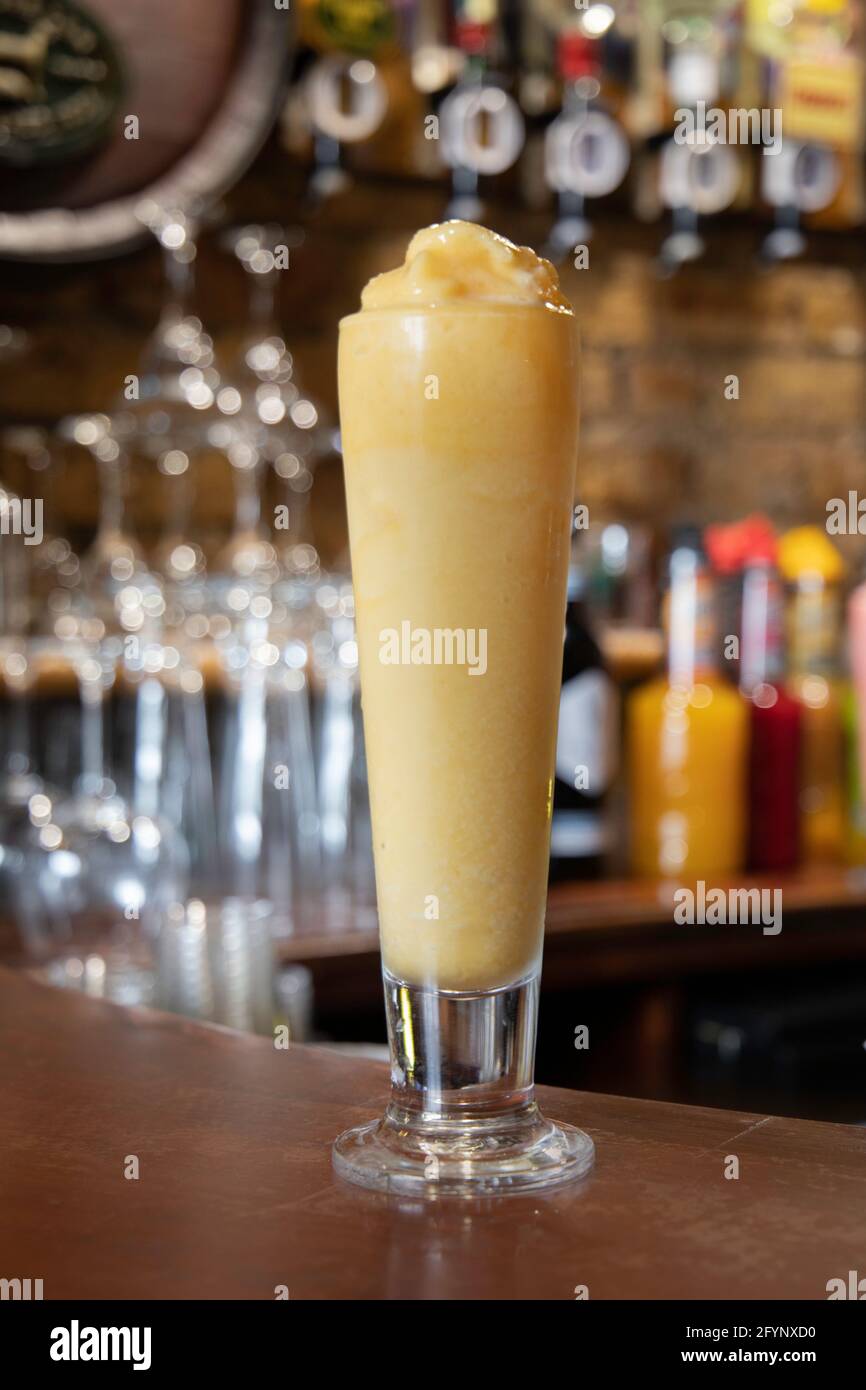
(459,423)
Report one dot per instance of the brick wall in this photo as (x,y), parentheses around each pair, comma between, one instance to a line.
(659,439)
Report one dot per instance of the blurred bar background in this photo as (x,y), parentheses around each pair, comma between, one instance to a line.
(192,196)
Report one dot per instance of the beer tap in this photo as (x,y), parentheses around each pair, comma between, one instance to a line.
(435,62)
(346,103)
(798,178)
(481,125)
(586,152)
(699,177)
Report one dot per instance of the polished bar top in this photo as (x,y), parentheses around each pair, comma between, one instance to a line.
(235,1195)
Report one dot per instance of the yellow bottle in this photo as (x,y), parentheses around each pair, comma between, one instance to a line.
(687,746)
(813,568)
(855,845)
(855,728)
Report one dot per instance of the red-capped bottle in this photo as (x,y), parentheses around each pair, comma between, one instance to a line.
(775,723)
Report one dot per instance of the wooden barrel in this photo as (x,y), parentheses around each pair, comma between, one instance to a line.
(104,103)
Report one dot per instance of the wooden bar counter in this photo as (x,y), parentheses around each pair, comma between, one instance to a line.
(235,1195)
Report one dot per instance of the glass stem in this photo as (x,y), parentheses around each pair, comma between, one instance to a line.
(180,281)
(18,760)
(113,477)
(456,1055)
(176,523)
(248,507)
(94,680)
(262,311)
(298,508)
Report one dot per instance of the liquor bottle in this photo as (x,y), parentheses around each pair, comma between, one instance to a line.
(813,569)
(687,737)
(773,834)
(817,80)
(853,724)
(731,546)
(855,712)
(585,745)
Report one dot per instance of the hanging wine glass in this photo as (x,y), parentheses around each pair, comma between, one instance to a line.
(39,592)
(114,560)
(45,576)
(32,624)
(98,869)
(341,771)
(166,418)
(268,826)
(248,557)
(19,779)
(263,251)
(31,464)
(160,744)
(291,429)
(179,341)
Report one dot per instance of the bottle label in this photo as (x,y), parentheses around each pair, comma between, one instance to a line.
(360,26)
(762,637)
(689,615)
(586,740)
(814,630)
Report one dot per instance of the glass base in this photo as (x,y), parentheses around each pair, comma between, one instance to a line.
(512,1153)
(462,1119)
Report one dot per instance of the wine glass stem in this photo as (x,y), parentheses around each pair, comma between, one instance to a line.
(298,508)
(176,522)
(179,279)
(18,761)
(112,493)
(263,303)
(93,734)
(248,509)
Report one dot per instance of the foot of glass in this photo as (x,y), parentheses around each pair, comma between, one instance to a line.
(485,1157)
(462,1120)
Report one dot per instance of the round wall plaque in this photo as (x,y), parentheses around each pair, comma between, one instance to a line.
(60,82)
(107,104)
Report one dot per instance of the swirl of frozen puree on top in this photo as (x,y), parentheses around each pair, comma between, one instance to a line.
(458,262)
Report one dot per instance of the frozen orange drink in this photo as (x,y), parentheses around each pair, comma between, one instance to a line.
(458,403)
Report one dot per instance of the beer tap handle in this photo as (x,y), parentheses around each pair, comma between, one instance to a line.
(481,125)
(346,103)
(796,178)
(586,151)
